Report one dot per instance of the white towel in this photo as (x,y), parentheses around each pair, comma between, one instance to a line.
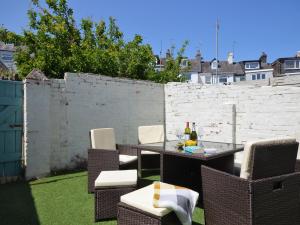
(181,200)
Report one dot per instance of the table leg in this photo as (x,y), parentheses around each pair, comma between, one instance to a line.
(139,154)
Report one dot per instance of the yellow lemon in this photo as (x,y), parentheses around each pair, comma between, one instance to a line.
(191,143)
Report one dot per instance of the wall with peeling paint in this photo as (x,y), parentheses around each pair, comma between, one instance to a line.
(261,112)
(60,113)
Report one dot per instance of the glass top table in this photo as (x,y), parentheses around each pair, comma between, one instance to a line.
(184,169)
(170,147)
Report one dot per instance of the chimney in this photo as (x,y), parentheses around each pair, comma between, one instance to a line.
(298,54)
(168,54)
(230,57)
(198,55)
(263,57)
(198,59)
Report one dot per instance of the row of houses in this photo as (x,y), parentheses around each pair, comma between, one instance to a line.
(228,71)
(206,72)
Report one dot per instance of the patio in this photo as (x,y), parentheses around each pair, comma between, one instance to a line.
(56,200)
(57,124)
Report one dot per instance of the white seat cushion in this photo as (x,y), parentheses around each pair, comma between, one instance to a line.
(144,152)
(116,178)
(247,162)
(143,200)
(151,134)
(124,159)
(103,138)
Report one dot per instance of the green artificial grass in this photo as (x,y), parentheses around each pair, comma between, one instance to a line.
(56,200)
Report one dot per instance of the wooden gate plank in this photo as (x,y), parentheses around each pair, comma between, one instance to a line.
(11,130)
(8,111)
(10,101)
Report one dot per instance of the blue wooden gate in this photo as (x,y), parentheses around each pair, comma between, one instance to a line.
(11,129)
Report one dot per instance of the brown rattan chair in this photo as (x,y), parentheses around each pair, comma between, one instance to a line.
(147,135)
(104,154)
(270,195)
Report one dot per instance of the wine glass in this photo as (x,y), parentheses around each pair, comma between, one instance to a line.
(179,134)
(200,135)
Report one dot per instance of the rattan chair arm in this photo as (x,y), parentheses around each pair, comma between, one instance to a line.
(275,200)
(276,184)
(106,159)
(225,197)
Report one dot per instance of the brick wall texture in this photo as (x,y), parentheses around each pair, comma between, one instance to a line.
(60,113)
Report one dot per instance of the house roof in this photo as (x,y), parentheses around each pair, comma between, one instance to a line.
(195,65)
(265,66)
(224,67)
(285,58)
(7,47)
(254,60)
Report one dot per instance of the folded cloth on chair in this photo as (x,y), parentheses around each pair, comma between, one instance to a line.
(181,200)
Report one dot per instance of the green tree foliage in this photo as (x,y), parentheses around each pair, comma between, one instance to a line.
(55,45)
(173,70)
(7,36)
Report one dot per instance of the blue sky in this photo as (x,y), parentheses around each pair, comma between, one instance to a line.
(254,26)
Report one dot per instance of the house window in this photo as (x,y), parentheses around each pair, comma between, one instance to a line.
(292,64)
(184,63)
(214,65)
(208,79)
(258,76)
(252,65)
(223,79)
(7,57)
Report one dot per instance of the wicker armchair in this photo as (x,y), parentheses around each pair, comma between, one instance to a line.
(270,195)
(146,135)
(106,155)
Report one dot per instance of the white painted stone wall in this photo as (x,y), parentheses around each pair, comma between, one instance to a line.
(60,113)
(261,112)
(195,103)
(37,132)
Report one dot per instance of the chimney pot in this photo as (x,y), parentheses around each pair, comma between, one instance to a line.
(263,57)
(198,55)
(230,58)
(168,54)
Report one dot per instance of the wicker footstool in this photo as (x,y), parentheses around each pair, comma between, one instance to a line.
(136,208)
(109,187)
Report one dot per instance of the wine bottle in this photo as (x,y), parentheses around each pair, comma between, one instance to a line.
(187,132)
(194,133)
